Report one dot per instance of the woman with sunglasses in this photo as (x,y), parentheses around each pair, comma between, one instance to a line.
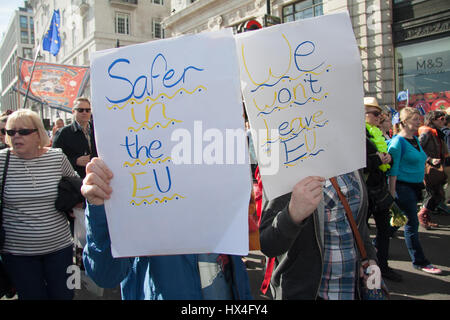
(432,140)
(406,182)
(37,247)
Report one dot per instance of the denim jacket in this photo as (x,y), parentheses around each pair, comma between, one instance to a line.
(174,277)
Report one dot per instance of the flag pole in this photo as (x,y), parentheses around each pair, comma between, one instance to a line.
(31,76)
(34,63)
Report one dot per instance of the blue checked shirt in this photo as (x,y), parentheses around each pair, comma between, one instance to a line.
(340,258)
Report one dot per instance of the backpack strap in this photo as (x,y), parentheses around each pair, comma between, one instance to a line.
(5,170)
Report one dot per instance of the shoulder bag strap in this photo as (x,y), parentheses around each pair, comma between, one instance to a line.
(5,170)
(348,212)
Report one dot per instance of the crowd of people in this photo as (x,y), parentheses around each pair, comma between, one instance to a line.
(307,234)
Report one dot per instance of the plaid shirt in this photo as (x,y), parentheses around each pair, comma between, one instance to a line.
(340,258)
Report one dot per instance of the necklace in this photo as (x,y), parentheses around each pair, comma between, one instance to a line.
(29,173)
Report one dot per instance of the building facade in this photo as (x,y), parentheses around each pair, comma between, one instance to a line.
(18,41)
(404,44)
(422,52)
(373,22)
(88,26)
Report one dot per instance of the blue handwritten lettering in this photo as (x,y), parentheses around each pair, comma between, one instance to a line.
(153,146)
(168,178)
(167,78)
(298,53)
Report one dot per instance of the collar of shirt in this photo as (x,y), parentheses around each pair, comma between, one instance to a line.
(78,126)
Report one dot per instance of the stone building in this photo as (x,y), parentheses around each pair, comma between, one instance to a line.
(92,25)
(385,31)
(18,41)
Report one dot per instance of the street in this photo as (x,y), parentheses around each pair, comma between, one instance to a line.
(416,285)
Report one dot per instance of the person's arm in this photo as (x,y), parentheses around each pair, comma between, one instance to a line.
(392,181)
(395,150)
(98,261)
(59,141)
(373,158)
(67,168)
(106,271)
(282,218)
(426,142)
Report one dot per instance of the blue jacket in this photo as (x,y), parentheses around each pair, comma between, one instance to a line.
(174,277)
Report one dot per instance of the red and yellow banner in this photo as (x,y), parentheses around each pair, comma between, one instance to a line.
(54,84)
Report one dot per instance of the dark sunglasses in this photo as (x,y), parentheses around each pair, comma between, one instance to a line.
(22,132)
(375,113)
(440,118)
(83,110)
(3,131)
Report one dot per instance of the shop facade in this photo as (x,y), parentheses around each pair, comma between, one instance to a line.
(422,53)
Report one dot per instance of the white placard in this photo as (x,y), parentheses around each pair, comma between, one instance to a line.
(303,90)
(166,114)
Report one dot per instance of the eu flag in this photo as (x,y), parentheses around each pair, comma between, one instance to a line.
(52,41)
(402,95)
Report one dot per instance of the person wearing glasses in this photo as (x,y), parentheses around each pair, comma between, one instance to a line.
(432,140)
(406,182)
(77,139)
(3,120)
(37,247)
(380,201)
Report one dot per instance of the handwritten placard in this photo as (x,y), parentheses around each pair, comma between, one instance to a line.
(166,113)
(302,86)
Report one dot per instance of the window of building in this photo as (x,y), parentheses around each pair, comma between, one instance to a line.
(24,36)
(122,23)
(23,22)
(161,2)
(74,35)
(27,53)
(423,69)
(85,27)
(302,10)
(158,31)
(86,57)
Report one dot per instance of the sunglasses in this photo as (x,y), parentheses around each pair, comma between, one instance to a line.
(22,132)
(442,118)
(83,110)
(375,113)
(3,131)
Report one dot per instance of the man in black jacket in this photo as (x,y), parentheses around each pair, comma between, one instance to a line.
(77,139)
(78,144)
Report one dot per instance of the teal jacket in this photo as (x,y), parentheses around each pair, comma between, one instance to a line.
(174,277)
(409,163)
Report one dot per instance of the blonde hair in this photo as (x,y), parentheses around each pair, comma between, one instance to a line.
(30,119)
(405,114)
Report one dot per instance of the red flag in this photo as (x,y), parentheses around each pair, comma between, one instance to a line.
(55,84)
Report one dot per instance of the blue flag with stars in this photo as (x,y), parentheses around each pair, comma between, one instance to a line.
(52,41)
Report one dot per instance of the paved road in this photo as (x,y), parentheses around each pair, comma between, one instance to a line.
(415,285)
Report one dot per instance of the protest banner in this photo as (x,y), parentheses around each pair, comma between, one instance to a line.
(169,123)
(302,87)
(57,85)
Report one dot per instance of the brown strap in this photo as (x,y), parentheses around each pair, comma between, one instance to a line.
(348,212)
